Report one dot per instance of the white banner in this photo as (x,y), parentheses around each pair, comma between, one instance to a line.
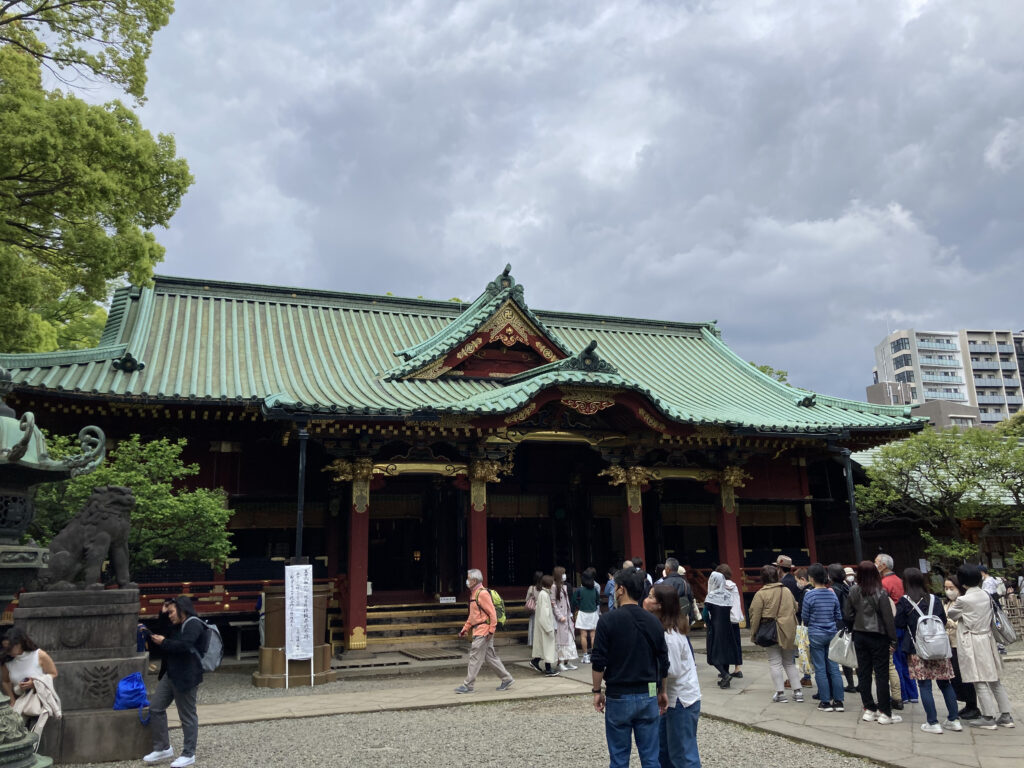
(298,610)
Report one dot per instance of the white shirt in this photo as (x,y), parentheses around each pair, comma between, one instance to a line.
(682,685)
(736,610)
(990,585)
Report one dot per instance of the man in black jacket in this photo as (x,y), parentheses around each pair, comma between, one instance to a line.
(678,582)
(181,672)
(631,658)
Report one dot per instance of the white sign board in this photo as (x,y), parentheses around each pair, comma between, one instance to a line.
(298,609)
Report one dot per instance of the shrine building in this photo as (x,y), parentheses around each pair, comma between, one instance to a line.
(420,438)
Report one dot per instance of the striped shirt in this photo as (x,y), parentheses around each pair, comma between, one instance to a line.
(821,611)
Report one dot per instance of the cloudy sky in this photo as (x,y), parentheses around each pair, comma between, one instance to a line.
(806,173)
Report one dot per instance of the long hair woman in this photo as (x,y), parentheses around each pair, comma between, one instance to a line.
(837,575)
(774,602)
(565,634)
(678,726)
(869,610)
(917,600)
(531,603)
(587,601)
(544,649)
(735,615)
(964,691)
(721,648)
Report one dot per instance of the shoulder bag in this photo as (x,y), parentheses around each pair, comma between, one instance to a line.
(767,633)
(841,650)
(1002,629)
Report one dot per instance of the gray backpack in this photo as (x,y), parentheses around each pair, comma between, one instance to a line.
(931,642)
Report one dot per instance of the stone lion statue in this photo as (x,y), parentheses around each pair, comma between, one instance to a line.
(98,532)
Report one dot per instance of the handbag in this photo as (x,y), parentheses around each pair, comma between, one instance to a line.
(531,602)
(28,705)
(767,633)
(1002,629)
(803,646)
(841,650)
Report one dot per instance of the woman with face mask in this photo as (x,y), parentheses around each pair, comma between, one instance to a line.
(964,691)
(565,632)
(841,581)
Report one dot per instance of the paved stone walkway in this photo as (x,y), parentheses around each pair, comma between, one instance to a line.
(747,702)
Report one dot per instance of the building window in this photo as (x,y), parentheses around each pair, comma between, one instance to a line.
(900,344)
(903,361)
(913,393)
(905,376)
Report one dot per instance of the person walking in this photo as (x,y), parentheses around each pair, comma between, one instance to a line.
(677,728)
(869,610)
(565,633)
(964,691)
(531,604)
(544,648)
(586,601)
(481,625)
(631,657)
(181,674)
(774,602)
(735,615)
(917,601)
(979,657)
(823,617)
(721,648)
(839,576)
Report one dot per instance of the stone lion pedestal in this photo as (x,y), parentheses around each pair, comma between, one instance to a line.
(91,635)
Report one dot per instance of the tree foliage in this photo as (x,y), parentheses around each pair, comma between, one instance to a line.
(1012,427)
(168,523)
(938,479)
(776,373)
(81,185)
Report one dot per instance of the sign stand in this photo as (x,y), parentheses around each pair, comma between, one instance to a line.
(298,608)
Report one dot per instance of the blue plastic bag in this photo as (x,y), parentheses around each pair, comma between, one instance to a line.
(131,694)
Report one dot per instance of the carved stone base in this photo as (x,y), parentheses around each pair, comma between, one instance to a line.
(17,745)
(96,736)
(18,566)
(271,669)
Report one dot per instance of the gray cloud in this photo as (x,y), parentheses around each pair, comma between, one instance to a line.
(806,174)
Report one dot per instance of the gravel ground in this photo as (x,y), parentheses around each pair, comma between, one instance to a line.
(564,732)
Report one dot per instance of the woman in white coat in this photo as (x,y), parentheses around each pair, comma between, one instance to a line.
(976,648)
(544,648)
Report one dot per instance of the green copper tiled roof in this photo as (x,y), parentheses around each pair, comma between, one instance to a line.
(325,352)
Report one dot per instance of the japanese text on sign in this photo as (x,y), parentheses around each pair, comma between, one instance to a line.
(298,608)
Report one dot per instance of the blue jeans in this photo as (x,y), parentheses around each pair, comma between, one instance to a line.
(678,733)
(948,694)
(826,672)
(626,716)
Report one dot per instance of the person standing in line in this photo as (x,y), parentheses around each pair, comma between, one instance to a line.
(587,601)
(609,588)
(964,691)
(675,576)
(565,633)
(481,625)
(796,587)
(874,634)
(721,650)
(677,728)
(543,646)
(916,601)
(839,576)
(773,602)
(631,657)
(638,563)
(901,687)
(735,616)
(991,585)
(823,618)
(979,658)
(181,673)
(659,574)
(531,604)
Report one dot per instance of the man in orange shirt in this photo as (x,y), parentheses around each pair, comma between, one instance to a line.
(481,624)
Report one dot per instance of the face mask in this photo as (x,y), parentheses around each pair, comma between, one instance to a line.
(563,577)
(469,583)
(952,594)
(850,579)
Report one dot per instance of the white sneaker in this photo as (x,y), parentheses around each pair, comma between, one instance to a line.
(889,719)
(931,728)
(563,667)
(869,716)
(157,755)
(952,725)
(570,665)
(798,697)
(183,761)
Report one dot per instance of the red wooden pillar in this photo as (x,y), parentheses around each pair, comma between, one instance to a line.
(358,556)
(808,511)
(477,526)
(730,545)
(333,536)
(633,524)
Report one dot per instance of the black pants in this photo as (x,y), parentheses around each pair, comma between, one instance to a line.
(848,671)
(873,656)
(964,691)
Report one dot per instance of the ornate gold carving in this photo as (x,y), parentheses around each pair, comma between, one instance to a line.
(443,468)
(470,348)
(735,477)
(710,431)
(509,326)
(522,414)
(431,371)
(345,471)
(357,640)
(489,470)
(627,475)
(587,401)
(650,421)
(544,351)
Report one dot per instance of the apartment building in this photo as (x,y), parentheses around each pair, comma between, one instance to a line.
(978,368)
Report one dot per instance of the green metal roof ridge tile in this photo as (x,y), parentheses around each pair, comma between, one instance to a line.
(27,360)
(586,360)
(117,316)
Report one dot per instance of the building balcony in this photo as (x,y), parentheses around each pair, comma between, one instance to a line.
(932,378)
(982,348)
(1008,365)
(1005,348)
(1011,383)
(989,418)
(933,395)
(983,365)
(939,347)
(1015,400)
(943,363)
(991,400)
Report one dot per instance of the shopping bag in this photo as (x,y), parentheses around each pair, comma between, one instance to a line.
(803,645)
(841,650)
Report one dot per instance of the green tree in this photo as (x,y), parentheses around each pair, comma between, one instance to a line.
(779,375)
(169,523)
(1012,427)
(81,185)
(938,479)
